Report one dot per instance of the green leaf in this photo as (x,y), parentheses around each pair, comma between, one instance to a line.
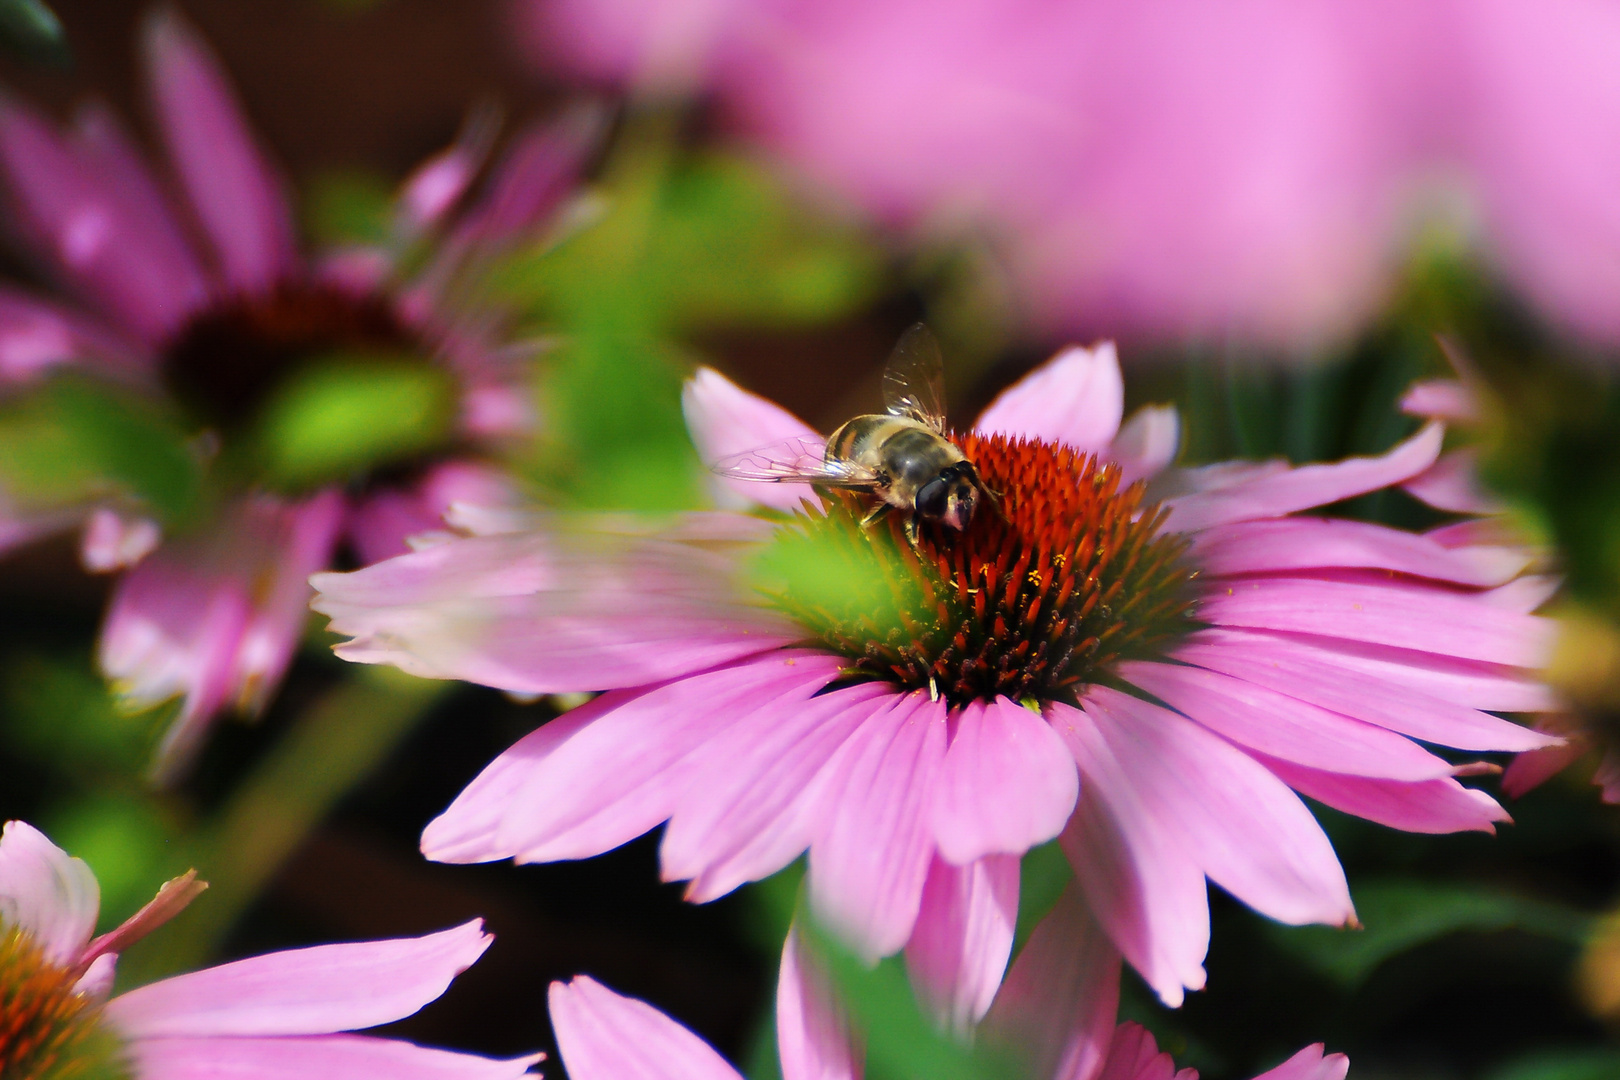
(1402,915)
(60,713)
(350,208)
(31,28)
(1042,876)
(71,440)
(345,414)
(1572,1064)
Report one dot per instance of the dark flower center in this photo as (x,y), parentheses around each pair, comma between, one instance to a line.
(47,1031)
(312,385)
(1047,588)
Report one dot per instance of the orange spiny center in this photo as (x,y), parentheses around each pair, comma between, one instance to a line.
(48,1031)
(1052,583)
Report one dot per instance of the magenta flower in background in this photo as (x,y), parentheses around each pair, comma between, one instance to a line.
(986,691)
(208,300)
(1170,167)
(285,1014)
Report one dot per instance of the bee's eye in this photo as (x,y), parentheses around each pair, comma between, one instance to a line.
(933,497)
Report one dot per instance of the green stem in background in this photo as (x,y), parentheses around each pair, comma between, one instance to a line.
(331,747)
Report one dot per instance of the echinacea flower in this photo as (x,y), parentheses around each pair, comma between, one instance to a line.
(1144,660)
(208,306)
(1173,167)
(285,1014)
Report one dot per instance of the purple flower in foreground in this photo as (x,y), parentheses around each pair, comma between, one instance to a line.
(285,1014)
(1146,668)
(210,303)
(1177,167)
(602,1035)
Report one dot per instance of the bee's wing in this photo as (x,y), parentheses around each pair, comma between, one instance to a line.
(914,381)
(799,460)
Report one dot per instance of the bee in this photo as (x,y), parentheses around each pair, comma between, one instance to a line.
(901,457)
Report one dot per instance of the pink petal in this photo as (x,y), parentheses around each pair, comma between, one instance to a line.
(1533,768)
(1428,806)
(1076,398)
(527,185)
(724,419)
(381,526)
(1283,726)
(73,213)
(1147,443)
(872,847)
(963,938)
(315,1057)
(590,605)
(113,542)
(36,335)
(741,812)
(1251,835)
(1135,1055)
(812,1035)
(236,194)
(1452,484)
(434,187)
(1319,543)
(1275,492)
(1139,879)
(609,773)
(312,991)
(1441,399)
(1008,784)
(1310,1064)
(1424,696)
(1409,617)
(1062,994)
(606,1036)
(47,893)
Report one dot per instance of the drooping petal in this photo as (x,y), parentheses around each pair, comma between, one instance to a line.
(1059,1000)
(313,991)
(742,810)
(1310,1064)
(812,1035)
(1427,620)
(1533,768)
(72,214)
(1135,1055)
(1076,398)
(1441,399)
(1275,491)
(234,191)
(1143,885)
(315,1057)
(47,893)
(1452,484)
(963,937)
(724,419)
(1283,726)
(113,541)
(435,186)
(1251,835)
(870,854)
(1008,784)
(1428,806)
(1324,543)
(382,525)
(1147,443)
(1422,696)
(594,606)
(602,1035)
(532,178)
(37,334)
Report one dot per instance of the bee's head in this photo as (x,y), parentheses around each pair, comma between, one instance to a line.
(951,496)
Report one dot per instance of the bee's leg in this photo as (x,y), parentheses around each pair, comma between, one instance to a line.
(911,529)
(879,512)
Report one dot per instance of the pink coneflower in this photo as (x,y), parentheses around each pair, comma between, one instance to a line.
(284,1014)
(1146,667)
(206,302)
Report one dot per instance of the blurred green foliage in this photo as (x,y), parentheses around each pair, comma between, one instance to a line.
(70,440)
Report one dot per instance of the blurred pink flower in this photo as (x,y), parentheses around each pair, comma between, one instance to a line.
(1166,166)
(602,1035)
(284,1014)
(1003,700)
(209,300)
